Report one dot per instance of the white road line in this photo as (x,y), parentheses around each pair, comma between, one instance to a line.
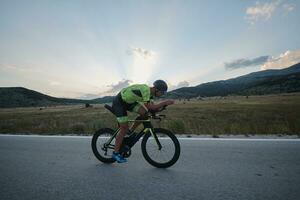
(242,139)
(179,138)
(46,136)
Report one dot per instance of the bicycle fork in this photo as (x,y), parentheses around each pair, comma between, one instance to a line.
(155,137)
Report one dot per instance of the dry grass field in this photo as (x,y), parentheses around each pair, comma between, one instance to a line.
(272,114)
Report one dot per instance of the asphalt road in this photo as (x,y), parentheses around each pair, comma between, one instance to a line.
(65,168)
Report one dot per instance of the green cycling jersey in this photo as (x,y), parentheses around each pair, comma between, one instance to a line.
(136,93)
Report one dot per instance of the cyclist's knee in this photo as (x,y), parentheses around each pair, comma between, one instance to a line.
(142,111)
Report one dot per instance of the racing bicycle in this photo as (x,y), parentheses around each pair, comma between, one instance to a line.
(160,147)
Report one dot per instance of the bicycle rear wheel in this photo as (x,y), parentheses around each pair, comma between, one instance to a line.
(101,149)
(167,155)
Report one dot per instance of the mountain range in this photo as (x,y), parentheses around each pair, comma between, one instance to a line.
(257,83)
(272,81)
(23,97)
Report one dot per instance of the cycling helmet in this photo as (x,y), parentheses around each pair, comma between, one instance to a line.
(161,85)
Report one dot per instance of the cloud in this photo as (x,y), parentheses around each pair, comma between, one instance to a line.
(112,90)
(144,64)
(241,63)
(118,86)
(264,11)
(115,88)
(284,60)
(144,53)
(54,83)
(261,11)
(183,84)
(179,85)
(288,7)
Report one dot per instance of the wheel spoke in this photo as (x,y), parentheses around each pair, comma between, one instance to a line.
(101,149)
(167,151)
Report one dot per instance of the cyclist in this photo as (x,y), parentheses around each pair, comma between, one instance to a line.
(135,98)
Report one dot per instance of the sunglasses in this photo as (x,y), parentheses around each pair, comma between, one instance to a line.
(162,92)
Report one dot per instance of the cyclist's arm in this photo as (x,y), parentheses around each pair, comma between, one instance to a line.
(152,106)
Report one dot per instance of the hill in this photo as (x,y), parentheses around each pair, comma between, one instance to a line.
(257,83)
(23,97)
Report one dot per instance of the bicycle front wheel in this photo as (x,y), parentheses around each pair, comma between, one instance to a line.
(165,156)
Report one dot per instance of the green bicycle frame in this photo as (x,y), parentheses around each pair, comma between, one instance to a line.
(147,128)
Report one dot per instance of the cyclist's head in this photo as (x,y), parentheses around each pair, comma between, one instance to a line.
(161,87)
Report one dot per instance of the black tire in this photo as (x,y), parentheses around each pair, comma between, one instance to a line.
(97,148)
(172,140)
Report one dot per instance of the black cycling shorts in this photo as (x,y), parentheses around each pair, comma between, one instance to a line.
(120,108)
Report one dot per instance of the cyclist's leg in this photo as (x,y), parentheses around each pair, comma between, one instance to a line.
(142,110)
(120,136)
(120,111)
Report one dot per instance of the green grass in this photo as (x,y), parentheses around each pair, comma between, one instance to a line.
(274,114)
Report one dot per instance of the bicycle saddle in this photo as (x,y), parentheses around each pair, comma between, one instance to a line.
(108,107)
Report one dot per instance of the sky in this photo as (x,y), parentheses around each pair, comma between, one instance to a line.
(87,49)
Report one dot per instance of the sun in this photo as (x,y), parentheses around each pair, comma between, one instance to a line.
(143,65)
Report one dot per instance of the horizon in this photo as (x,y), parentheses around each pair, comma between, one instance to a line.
(100,97)
(84,50)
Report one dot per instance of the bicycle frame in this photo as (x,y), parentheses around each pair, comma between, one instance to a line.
(147,128)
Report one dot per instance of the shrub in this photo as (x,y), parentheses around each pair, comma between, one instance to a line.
(176,126)
(78,128)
